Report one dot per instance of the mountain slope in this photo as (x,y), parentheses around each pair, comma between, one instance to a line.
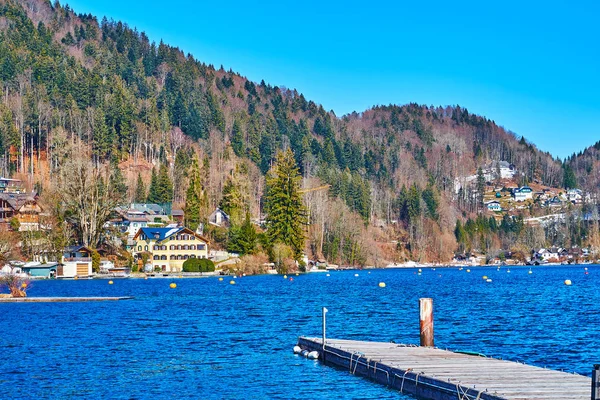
(69,78)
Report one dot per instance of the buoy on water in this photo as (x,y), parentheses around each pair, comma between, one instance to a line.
(297,274)
(568,282)
(291,279)
(327,275)
(530,271)
(468,270)
(110,282)
(313,355)
(285,277)
(485,277)
(488,280)
(235,276)
(420,270)
(381,284)
(220,279)
(173,285)
(355,274)
(297,349)
(232,282)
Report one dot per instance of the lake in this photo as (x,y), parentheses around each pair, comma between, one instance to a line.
(212,340)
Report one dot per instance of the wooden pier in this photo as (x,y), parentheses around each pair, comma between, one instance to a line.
(436,374)
(58,299)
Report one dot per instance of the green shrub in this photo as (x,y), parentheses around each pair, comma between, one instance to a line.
(198,265)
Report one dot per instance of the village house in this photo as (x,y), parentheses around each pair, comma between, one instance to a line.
(76,261)
(547,255)
(523,193)
(554,202)
(168,248)
(575,196)
(219,218)
(494,206)
(507,171)
(11,186)
(178,216)
(23,207)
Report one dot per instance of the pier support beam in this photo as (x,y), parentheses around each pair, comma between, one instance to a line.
(596,382)
(426,322)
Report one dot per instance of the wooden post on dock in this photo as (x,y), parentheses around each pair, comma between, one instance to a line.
(324,325)
(596,382)
(426,322)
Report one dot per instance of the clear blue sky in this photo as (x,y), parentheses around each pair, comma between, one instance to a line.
(533,67)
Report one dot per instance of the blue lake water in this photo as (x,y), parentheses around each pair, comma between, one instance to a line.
(212,340)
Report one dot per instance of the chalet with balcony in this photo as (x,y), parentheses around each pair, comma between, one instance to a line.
(168,248)
(23,207)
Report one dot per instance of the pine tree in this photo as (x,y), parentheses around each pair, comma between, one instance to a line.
(237,139)
(117,184)
(196,202)
(286,213)
(153,191)
(480,187)
(164,185)
(140,190)
(243,239)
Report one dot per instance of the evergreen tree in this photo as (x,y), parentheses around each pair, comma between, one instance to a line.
(480,186)
(243,239)
(117,184)
(196,202)
(164,185)
(569,179)
(237,139)
(461,235)
(140,190)
(286,213)
(153,191)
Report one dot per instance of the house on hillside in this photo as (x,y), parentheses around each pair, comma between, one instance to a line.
(168,248)
(11,186)
(554,202)
(178,216)
(23,207)
(219,218)
(575,196)
(494,206)
(507,170)
(523,193)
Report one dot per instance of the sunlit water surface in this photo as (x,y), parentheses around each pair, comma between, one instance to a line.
(212,340)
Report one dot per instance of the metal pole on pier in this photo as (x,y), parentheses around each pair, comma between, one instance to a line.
(426,322)
(596,382)
(324,320)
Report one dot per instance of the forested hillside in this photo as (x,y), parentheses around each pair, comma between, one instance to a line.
(70,80)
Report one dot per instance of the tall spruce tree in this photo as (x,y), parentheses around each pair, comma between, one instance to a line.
(196,201)
(286,213)
(140,190)
(117,182)
(164,185)
(243,239)
(153,191)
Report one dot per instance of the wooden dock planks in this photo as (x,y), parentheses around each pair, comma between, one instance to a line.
(437,374)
